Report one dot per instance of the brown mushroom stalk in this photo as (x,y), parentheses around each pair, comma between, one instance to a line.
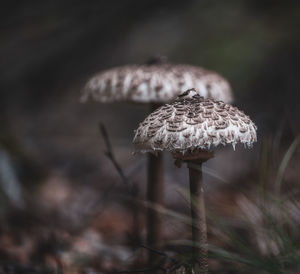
(197,204)
(155,186)
(190,128)
(155,194)
(199,228)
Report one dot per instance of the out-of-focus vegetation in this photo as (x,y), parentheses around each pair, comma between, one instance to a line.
(64,207)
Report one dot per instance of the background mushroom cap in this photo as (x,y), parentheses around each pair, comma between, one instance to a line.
(192,122)
(155,84)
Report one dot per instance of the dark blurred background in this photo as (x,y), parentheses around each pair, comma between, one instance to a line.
(60,195)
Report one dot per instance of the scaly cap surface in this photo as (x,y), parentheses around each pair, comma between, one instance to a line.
(192,122)
(155,84)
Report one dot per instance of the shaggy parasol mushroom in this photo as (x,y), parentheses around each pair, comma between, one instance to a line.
(154,85)
(190,128)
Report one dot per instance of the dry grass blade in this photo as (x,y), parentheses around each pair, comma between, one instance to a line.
(211,172)
(109,153)
(284,163)
(167,212)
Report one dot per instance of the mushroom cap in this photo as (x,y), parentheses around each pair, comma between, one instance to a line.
(194,123)
(155,84)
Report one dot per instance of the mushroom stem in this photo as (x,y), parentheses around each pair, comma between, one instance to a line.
(199,229)
(154,197)
(155,190)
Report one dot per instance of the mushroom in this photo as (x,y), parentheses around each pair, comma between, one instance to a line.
(190,128)
(154,85)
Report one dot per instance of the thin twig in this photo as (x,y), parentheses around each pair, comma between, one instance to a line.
(159,253)
(109,153)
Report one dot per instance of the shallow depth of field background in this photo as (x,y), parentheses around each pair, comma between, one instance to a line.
(64,207)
